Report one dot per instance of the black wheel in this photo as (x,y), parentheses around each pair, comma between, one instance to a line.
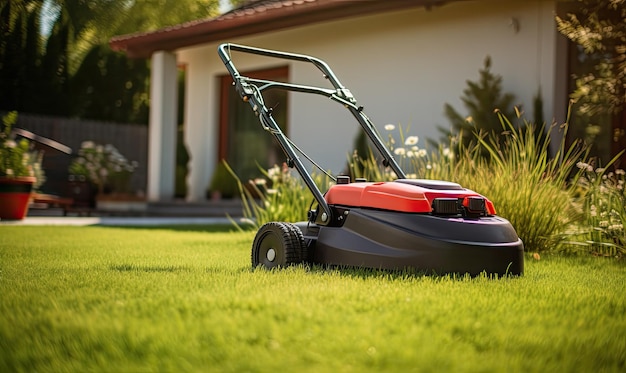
(299,237)
(276,245)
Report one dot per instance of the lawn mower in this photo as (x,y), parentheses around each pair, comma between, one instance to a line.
(422,225)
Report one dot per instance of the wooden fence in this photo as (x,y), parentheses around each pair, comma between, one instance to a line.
(130,139)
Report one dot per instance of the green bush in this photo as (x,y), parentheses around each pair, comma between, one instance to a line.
(223,182)
(601,202)
(530,188)
(276,196)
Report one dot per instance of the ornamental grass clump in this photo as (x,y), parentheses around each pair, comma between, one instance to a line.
(529,187)
(602,204)
(277,195)
(417,162)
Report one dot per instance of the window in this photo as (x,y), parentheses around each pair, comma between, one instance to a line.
(242,141)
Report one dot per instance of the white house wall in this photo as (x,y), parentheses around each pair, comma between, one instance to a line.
(201,118)
(401,66)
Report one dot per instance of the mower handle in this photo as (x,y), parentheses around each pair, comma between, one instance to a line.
(321,65)
(251,93)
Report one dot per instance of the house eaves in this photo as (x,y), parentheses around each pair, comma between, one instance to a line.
(256,17)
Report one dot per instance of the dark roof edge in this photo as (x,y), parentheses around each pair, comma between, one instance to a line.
(261,17)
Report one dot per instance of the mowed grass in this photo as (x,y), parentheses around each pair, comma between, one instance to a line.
(185,299)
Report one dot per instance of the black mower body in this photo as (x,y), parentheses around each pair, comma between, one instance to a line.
(434,245)
(427,235)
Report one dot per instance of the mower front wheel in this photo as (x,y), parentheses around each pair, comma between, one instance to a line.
(277,244)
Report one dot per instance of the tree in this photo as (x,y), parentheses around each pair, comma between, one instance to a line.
(481,99)
(20,48)
(72,71)
(599,28)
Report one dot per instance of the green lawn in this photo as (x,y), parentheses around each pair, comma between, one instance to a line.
(149,299)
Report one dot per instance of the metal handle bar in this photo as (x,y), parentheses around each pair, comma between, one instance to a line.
(321,65)
(251,93)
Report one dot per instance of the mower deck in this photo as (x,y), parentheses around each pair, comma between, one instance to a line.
(396,225)
(398,241)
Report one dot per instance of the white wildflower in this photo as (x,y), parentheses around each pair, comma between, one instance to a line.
(583,165)
(411,140)
(390,127)
(10,144)
(246,221)
(274,173)
(399,151)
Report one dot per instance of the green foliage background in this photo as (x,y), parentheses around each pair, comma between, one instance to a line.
(71,71)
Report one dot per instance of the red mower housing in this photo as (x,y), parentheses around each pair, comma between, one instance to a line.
(410,195)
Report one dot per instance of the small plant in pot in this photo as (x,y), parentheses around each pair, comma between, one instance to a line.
(20,171)
(223,184)
(104,167)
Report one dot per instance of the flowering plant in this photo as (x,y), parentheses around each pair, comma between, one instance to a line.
(17,158)
(104,166)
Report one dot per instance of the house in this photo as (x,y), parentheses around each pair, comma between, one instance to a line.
(402,60)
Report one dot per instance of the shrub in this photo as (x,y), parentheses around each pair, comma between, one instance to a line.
(223,184)
(602,205)
(104,166)
(530,189)
(276,196)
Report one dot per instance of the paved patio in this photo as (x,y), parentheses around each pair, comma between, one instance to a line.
(116,221)
(154,214)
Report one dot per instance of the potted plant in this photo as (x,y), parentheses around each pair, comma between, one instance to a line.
(20,171)
(103,172)
(223,184)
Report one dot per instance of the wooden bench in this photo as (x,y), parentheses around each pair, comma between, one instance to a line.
(50,200)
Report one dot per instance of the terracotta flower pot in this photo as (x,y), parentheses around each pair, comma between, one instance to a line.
(14,197)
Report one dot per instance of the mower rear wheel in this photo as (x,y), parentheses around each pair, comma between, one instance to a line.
(299,237)
(277,244)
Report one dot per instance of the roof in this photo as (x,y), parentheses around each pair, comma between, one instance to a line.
(256,17)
